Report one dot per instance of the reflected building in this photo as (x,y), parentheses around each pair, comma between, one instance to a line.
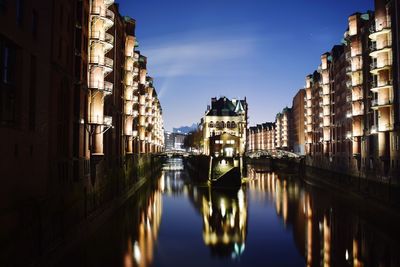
(327,232)
(140,246)
(224,214)
(225,222)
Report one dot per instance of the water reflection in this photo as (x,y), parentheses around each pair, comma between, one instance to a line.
(141,244)
(273,218)
(224,221)
(328,230)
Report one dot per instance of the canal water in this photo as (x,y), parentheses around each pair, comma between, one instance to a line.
(273,220)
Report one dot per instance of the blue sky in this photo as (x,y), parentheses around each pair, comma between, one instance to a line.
(261,49)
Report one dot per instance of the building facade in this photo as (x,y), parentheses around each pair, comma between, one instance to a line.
(283,130)
(261,137)
(225,116)
(73,110)
(351,102)
(298,133)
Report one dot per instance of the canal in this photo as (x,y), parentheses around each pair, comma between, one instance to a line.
(275,219)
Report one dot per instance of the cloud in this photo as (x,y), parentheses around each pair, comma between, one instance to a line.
(208,53)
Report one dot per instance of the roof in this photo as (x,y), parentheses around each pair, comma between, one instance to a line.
(226,107)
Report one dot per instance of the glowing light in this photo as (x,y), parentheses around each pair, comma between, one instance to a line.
(347,255)
(223,208)
(136,252)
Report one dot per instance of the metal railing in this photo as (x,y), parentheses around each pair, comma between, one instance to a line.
(380,45)
(101,36)
(101,120)
(381,102)
(380,64)
(107,87)
(102,61)
(373,28)
(103,12)
(375,84)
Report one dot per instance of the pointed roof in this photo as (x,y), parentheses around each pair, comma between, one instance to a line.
(239,107)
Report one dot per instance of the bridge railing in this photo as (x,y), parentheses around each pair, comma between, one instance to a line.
(273,153)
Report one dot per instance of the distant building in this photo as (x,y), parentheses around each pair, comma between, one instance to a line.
(261,137)
(225,118)
(174,141)
(283,130)
(298,122)
(169,140)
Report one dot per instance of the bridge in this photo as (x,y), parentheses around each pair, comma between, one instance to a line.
(175,153)
(271,153)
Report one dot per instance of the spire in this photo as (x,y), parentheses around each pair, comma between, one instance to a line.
(239,107)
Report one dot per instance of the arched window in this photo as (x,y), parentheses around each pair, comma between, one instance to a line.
(222,124)
(233,124)
(228,124)
(218,124)
(211,124)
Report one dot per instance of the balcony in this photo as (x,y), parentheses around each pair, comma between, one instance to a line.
(103,86)
(380,103)
(380,47)
(105,14)
(101,120)
(108,2)
(376,67)
(357,112)
(382,29)
(356,98)
(384,127)
(104,38)
(376,86)
(102,61)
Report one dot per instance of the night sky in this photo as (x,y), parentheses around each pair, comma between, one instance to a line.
(261,49)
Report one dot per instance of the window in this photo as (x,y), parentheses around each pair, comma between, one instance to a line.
(32,94)
(8,62)
(211,124)
(7,83)
(3,5)
(233,124)
(20,11)
(34,24)
(228,124)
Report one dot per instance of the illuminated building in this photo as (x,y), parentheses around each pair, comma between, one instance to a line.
(283,130)
(227,117)
(384,68)
(65,106)
(299,126)
(351,103)
(261,137)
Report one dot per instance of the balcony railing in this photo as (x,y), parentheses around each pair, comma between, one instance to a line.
(380,45)
(108,2)
(107,87)
(102,61)
(375,84)
(103,12)
(386,127)
(374,29)
(356,98)
(101,120)
(381,102)
(381,64)
(103,37)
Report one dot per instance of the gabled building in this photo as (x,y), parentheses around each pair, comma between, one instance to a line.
(225,116)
